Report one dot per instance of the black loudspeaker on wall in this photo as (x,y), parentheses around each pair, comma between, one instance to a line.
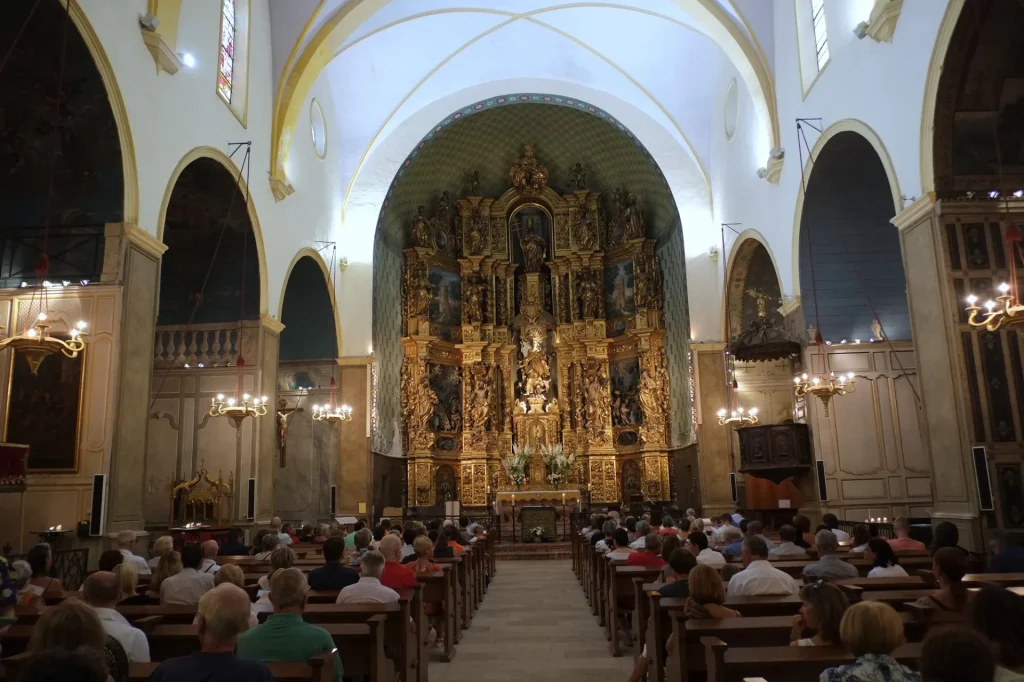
(822,489)
(98,508)
(985,502)
(250,503)
(334,500)
(732,487)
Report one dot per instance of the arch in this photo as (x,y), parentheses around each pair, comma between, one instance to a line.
(743,249)
(931,93)
(308,252)
(229,165)
(117,106)
(335,30)
(851,125)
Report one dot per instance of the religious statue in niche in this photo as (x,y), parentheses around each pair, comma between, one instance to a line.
(526,175)
(584,231)
(533,246)
(647,280)
(446,382)
(481,385)
(284,413)
(653,393)
(633,218)
(419,290)
(422,234)
(473,304)
(590,293)
(595,382)
(423,403)
(475,238)
(625,377)
(534,367)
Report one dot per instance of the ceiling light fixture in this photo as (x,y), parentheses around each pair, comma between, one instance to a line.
(737,416)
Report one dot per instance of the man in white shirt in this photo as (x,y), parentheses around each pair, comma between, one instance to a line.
(368,590)
(101,591)
(620,545)
(209,565)
(788,547)
(126,544)
(759,577)
(698,544)
(642,529)
(189,586)
(832,521)
(275,527)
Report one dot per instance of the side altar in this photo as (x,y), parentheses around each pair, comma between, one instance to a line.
(534,319)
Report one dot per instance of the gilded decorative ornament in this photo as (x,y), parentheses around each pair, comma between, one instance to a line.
(526,176)
(422,234)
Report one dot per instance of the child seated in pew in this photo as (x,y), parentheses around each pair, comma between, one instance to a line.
(871,631)
(956,655)
(949,566)
(883,560)
(822,611)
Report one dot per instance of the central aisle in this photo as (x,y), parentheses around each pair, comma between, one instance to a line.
(534,625)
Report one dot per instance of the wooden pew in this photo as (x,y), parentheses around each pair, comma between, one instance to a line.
(465,589)
(793,664)
(318,669)
(621,596)
(441,587)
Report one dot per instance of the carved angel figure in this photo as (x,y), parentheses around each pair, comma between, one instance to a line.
(421,232)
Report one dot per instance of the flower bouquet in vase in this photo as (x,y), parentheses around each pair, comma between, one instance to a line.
(559,464)
(537,533)
(517,464)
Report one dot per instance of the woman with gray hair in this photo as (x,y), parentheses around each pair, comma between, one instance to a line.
(162,545)
(643,527)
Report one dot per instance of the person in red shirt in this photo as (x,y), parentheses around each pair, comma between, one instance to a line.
(651,556)
(396,575)
(903,542)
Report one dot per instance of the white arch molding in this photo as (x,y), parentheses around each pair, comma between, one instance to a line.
(931,93)
(330,39)
(850,125)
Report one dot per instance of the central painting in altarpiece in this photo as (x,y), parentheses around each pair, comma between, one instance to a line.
(534,318)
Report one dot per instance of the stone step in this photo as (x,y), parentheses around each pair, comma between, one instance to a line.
(533,550)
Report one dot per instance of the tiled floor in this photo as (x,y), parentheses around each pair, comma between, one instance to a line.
(534,625)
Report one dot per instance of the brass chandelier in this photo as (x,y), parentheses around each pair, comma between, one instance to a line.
(823,388)
(236,410)
(738,417)
(1004,311)
(36,344)
(331,412)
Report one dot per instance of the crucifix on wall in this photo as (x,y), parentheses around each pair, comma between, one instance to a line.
(284,413)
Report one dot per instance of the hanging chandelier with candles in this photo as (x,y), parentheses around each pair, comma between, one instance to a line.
(36,343)
(824,389)
(738,417)
(238,410)
(1004,311)
(331,412)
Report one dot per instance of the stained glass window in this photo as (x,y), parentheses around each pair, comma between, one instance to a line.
(226,66)
(820,36)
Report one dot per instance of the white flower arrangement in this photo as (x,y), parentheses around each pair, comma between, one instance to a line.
(517,464)
(559,464)
(537,531)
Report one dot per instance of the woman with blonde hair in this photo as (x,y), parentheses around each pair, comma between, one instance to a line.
(127,573)
(170,564)
(283,557)
(871,631)
(163,545)
(822,609)
(73,624)
(230,573)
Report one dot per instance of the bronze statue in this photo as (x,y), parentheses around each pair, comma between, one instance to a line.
(633,219)
(533,247)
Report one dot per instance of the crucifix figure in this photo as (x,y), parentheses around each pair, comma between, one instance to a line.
(284,413)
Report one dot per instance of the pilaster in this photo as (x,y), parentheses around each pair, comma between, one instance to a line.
(267,438)
(713,458)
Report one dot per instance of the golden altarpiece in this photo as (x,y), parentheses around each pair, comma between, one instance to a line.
(534,317)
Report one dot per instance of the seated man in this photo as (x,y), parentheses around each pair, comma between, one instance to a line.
(651,556)
(829,566)
(126,544)
(286,637)
(733,538)
(698,544)
(209,564)
(268,544)
(759,576)
(277,528)
(756,529)
(832,521)
(396,575)
(234,545)
(409,536)
(642,529)
(101,591)
(223,616)
(718,536)
(332,575)
(620,545)
(110,559)
(903,542)
(787,548)
(189,586)
(680,563)
(368,590)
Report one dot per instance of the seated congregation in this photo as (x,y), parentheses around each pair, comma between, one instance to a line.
(319,605)
(726,601)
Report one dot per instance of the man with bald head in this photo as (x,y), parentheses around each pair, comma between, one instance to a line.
(276,528)
(286,637)
(209,565)
(396,575)
(223,616)
(101,591)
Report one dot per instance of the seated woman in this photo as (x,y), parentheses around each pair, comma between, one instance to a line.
(127,573)
(73,624)
(871,631)
(442,546)
(40,586)
(669,544)
(269,543)
(170,564)
(998,615)
(859,538)
(956,655)
(306,534)
(822,611)
(230,573)
(805,538)
(162,545)
(946,534)
(363,540)
(424,549)
(707,594)
(109,560)
(283,557)
(949,566)
(883,560)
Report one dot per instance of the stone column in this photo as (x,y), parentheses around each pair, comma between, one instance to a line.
(713,458)
(945,384)
(138,254)
(267,443)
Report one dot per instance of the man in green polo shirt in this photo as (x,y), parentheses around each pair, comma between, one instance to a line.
(286,637)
